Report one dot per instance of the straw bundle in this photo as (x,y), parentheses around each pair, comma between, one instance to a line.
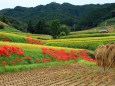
(105,55)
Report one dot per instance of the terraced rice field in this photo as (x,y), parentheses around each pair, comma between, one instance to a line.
(90,43)
(68,75)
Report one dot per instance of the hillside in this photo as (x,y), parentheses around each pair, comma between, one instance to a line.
(68,60)
(18,36)
(88,39)
(108,22)
(77,17)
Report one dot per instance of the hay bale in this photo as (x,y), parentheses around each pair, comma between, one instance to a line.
(105,55)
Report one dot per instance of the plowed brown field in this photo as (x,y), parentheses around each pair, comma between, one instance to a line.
(68,75)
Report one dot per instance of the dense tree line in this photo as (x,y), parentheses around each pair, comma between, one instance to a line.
(54,28)
(75,17)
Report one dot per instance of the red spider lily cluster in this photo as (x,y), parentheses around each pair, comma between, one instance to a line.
(60,54)
(85,56)
(33,41)
(13,55)
(9,50)
(4,38)
(64,55)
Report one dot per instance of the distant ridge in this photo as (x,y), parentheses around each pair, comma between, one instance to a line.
(78,17)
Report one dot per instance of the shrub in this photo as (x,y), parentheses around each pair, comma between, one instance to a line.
(62,34)
(65,29)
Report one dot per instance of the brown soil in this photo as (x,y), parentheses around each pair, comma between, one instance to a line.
(68,75)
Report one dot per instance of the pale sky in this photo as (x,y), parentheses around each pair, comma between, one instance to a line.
(33,3)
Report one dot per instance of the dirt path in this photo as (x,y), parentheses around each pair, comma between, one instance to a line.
(68,75)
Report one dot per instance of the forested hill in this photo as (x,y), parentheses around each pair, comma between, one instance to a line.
(76,16)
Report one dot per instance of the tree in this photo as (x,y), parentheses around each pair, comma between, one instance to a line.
(68,21)
(65,28)
(63,34)
(4,19)
(30,27)
(55,28)
(113,13)
(40,27)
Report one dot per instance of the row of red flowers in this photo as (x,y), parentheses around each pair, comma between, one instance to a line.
(59,54)
(64,55)
(33,41)
(28,40)
(6,57)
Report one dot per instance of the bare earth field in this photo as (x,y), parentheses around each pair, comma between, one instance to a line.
(68,75)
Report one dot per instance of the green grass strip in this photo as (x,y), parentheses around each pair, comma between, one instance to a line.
(9,69)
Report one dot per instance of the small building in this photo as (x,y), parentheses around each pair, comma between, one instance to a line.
(103,31)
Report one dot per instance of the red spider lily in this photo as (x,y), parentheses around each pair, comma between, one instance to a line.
(83,53)
(8,50)
(6,39)
(37,60)
(34,41)
(5,47)
(4,52)
(43,60)
(57,54)
(14,49)
(47,60)
(4,63)
(64,55)
(28,57)
(20,53)
(88,59)
(44,50)
(85,56)
(74,55)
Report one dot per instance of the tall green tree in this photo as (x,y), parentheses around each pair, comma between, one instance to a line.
(55,28)
(40,27)
(30,27)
